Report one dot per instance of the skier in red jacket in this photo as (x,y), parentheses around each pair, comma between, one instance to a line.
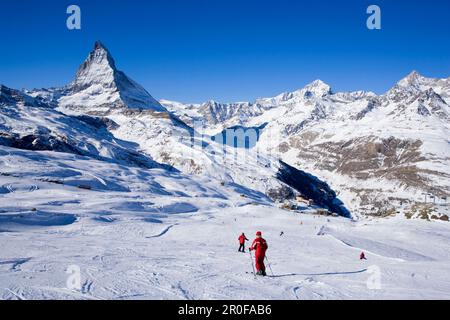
(242,238)
(260,246)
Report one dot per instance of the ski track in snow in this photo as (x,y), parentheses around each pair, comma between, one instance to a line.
(317,274)
(295,292)
(15,263)
(12,188)
(87,174)
(8,187)
(379,249)
(15,294)
(162,232)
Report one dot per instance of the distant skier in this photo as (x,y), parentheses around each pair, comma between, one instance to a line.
(242,238)
(260,246)
(362,256)
(281,233)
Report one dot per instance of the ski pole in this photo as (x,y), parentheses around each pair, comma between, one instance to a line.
(270,267)
(253,267)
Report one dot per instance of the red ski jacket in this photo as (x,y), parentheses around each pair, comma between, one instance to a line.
(260,245)
(242,239)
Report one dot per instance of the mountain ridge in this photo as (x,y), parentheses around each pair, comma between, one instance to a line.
(347,138)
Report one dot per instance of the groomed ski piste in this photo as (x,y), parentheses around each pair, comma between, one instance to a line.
(155,234)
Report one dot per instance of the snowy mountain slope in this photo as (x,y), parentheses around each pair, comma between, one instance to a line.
(154,234)
(27,123)
(66,172)
(167,139)
(399,140)
(194,155)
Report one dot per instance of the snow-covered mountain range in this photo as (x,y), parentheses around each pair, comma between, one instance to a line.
(113,107)
(380,152)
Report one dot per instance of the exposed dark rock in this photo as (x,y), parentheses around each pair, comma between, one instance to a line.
(39,143)
(372,104)
(423,111)
(311,187)
(98,122)
(280,194)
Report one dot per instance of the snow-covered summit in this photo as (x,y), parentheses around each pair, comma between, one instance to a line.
(99,67)
(415,83)
(318,88)
(412,79)
(101,86)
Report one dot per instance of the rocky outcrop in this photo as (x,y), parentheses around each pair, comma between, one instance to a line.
(310,187)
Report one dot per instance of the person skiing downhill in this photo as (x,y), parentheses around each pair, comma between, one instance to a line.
(260,246)
(242,238)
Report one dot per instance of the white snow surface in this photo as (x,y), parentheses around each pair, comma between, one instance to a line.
(143,234)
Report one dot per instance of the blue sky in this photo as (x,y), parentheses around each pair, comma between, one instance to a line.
(233,50)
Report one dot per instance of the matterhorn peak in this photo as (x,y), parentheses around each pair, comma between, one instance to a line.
(99,85)
(99,65)
(99,45)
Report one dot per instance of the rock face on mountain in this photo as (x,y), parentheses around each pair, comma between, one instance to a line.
(310,187)
(377,152)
